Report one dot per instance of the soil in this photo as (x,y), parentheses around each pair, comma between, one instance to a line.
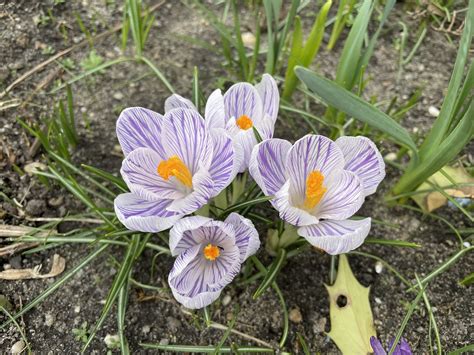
(27,39)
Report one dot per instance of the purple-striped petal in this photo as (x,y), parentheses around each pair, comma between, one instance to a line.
(268,164)
(141,215)
(196,282)
(377,346)
(364,159)
(226,160)
(185,135)
(268,91)
(244,141)
(203,190)
(288,212)
(246,236)
(177,101)
(312,153)
(336,237)
(215,110)
(139,127)
(265,127)
(243,99)
(139,170)
(190,231)
(343,198)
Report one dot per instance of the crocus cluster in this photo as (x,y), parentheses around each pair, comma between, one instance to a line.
(177,162)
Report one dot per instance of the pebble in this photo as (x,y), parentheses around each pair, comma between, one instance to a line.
(173,323)
(226,300)
(378,267)
(391,157)
(164,341)
(18,347)
(48,319)
(117,96)
(295,315)
(112,341)
(378,300)
(466,244)
(433,111)
(35,207)
(146,329)
(56,201)
(77,309)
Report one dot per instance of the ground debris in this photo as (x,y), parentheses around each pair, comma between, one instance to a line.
(59,264)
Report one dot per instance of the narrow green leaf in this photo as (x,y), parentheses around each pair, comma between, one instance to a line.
(158,73)
(118,182)
(346,101)
(394,243)
(272,273)
(206,349)
(468,280)
(246,204)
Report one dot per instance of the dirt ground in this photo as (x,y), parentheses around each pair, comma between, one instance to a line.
(25,41)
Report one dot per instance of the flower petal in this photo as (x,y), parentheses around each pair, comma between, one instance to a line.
(343,198)
(185,135)
(246,236)
(312,153)
(177,101)
(141,215)
(336,237)
(215,110)
(265,127)
(244,141)
(140,174)
(268,91)
(268,164)
(203,190)
(243,99)
(139,127)
(364,159)
(226,160)
(377,346)
(291,214)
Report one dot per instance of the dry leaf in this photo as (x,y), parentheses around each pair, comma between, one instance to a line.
(59,264)
(352,324)
(429,201)
(20,231)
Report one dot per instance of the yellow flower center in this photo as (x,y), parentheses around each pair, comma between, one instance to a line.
(211,252)
(244,122)
(175,167)
(314,189)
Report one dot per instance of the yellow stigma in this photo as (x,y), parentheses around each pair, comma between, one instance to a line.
(314,189)
(175,167)
(244,122)
(211,252)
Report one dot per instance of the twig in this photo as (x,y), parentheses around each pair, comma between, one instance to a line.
(55,57)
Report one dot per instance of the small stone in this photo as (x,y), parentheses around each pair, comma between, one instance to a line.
(295,315)
(117,96)
(77,309)
(112,341)
(391,157)
(146,329)
(35,207)
(56,201)
(48,319)
(226,300)
(173,323)
(18,347)
(248,40)
(164,341)
(378,267)
(378,300)
(433,111)
(466,244)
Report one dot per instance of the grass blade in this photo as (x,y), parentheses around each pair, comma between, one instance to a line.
(346,101)
(272,273)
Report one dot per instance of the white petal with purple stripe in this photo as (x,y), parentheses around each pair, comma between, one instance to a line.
(215,110)
(336,237)
(243,99)
(364,159)
(246,236)
(268,91)
(177,101)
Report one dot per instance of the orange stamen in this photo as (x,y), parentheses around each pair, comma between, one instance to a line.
(314,189)
(175,167)
(244,122)
(211,252)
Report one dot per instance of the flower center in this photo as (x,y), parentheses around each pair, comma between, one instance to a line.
(211,252)
(244,122)
(175,167)
(314,189)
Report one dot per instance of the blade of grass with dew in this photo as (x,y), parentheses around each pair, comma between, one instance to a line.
(120,279)
(58,283)
(272,273)
(354,106)
(441,125)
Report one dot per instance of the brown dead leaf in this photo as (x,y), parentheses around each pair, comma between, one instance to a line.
(59,264)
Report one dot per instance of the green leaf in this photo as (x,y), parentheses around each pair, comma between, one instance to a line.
(352,324)
(346,101)
(272,273)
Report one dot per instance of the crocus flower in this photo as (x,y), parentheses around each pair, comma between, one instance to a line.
(318,184)
(402,348)
(242,108)
(209,255)
(173,165)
